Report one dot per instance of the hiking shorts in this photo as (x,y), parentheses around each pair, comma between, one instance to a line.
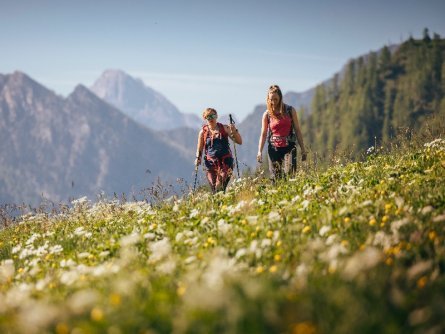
(225,163)
(276,154)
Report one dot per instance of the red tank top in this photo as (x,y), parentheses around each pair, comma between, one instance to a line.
(280,128)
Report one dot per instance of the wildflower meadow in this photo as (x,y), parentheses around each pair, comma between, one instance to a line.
(355,248)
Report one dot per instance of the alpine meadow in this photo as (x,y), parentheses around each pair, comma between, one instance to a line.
(353,242)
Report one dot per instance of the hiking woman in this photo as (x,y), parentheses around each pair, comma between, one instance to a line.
(218,160)
(280,122)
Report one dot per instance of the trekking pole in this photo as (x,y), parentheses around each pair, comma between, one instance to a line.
(196,178)
(234,146)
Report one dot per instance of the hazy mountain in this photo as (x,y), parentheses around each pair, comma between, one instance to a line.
(140,102)
(300,100)
(62,148)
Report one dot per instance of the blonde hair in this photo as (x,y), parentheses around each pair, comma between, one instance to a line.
(275,89)
(208,111)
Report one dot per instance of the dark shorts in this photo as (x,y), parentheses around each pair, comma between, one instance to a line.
(223,163)
(276,154)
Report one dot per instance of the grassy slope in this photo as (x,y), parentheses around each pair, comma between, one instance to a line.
(355,249)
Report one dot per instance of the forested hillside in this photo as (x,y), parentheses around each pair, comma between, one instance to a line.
(378,97)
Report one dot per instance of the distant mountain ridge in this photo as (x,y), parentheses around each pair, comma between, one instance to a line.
(65,148)
(141,102)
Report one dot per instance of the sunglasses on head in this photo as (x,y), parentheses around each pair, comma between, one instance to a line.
(211,116)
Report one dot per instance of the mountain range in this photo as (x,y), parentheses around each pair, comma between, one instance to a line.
(55,148)
(141,102)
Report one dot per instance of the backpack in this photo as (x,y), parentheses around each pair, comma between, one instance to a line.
(219,147)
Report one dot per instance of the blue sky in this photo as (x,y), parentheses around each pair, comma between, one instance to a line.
(213,53)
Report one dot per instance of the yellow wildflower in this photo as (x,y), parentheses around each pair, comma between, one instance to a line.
(421,282)
(115,299)
(304,328)
(432,235)
(62,328)
(97,314)
(181,290)
(273,269)
(306,229)
(269,234)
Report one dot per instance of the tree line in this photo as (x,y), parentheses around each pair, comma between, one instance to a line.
(379,96)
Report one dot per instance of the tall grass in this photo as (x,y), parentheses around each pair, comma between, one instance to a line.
(354,247)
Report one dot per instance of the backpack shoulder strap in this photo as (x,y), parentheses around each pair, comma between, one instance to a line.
(222,130)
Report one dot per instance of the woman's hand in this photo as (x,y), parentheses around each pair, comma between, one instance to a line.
(232,129)
(259,157)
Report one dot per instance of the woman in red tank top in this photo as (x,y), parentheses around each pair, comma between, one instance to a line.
(280,121)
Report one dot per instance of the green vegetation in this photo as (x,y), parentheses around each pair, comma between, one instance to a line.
(357,248)
(379,97)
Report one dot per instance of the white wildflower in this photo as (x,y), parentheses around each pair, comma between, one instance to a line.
(273,217)
(179,236)
(83,300)
(219,267)
(305,204)
(69,277)
(419,269)
(333,252)
(167,267)
(331,239)
(67,263)
(190,259)
(366,203)
(33,238)
(266,243)
(437,143)
(160,249)
(150,236)
(80,201)
(296,199)
(104,254)
(130,240)
(240,253)
(223,227)
(194,213)
(7,270)
(283,202)
(42,283)
(439,219)
(426,210)
(362,261)
(252,220)
(324,229)
(56,249)
(16,249)
(382,239)
(35,316)
(395,227)
(79,231)
(83,255)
